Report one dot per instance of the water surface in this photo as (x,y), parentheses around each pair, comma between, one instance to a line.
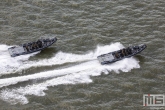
(68,75)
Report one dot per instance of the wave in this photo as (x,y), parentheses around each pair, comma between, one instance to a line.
(79,73)
(10,64)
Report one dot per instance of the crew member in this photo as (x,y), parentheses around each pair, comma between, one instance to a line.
(117,55)
(27,48)
(39,43)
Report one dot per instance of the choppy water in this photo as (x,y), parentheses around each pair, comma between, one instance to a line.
(68,75)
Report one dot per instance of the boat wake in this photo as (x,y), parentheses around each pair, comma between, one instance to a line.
(78,73)
(10,64)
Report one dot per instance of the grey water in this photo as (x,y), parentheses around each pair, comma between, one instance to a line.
(67,75)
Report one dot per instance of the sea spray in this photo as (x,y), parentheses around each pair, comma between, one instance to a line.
(17,64)
(78,73)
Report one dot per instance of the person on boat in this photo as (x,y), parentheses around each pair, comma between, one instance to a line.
(33,46)
(27,48)
(117,55)
(46,41)
(39,43)
(129,50)
(123,52)
(126,53)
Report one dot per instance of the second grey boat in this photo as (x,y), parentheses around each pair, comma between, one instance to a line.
(31,47)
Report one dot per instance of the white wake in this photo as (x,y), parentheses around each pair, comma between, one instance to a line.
(72,75)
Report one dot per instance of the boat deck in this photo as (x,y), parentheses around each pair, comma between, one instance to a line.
(31,47)
(120,54)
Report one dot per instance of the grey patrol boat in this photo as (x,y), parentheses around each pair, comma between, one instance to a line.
(31,47)
(120,54)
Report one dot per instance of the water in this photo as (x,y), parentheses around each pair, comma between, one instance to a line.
(68,75)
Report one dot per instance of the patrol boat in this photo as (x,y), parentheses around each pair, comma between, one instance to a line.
(121,54)
(31,47)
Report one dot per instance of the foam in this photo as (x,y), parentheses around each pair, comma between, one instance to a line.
(72,75)
(17,64)
(10,64)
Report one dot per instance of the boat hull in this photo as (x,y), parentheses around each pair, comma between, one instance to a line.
(120,54)
(31,47)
